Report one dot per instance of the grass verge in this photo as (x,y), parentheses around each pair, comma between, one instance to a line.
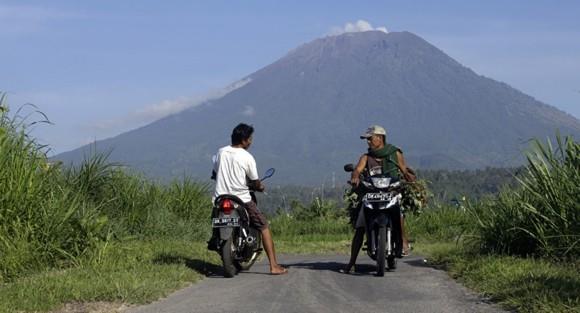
(137,272)
(133,272)
(522,284)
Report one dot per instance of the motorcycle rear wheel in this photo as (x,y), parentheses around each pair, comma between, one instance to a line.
(227,254)
(382,243)
(244,266)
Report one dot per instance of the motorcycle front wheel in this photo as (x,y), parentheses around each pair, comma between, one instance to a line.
(227,253)
(382,243)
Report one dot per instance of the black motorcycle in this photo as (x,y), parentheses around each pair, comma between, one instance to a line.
(239,243)
(380,198)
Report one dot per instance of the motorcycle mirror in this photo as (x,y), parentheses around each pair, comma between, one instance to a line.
(348,167)
(269,173)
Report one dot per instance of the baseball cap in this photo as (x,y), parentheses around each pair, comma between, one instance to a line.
(373,130)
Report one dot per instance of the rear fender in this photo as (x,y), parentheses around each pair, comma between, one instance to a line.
(226,232)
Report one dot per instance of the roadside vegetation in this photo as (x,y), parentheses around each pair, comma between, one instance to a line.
(521,247)
(91,232)
(97,232)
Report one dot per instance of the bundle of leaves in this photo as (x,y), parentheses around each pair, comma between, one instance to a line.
(352,201)
(415,196)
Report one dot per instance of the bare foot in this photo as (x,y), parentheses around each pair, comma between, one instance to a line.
(278,270)
(347,269)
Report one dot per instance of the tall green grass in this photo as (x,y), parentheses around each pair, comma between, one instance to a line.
(53,216)
(542,216)
(41,222)
(144,209)
(320,218)
(438,223)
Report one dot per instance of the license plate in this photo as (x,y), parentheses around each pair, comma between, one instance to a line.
(378,197)
(226,222)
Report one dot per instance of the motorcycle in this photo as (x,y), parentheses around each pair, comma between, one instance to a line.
(239,243)
(381,202)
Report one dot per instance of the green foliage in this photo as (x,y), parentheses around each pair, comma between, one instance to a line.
(520,284)
(52,216)
(139,207)
(134,272)
(42,223)
(438,223)
(415,196)
(446,185)
(542,216)
(317,209)
(319,218)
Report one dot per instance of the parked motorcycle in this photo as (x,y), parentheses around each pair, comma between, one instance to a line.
(240,244)
(380,198)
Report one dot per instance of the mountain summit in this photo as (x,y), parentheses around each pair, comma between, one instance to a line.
(309,107)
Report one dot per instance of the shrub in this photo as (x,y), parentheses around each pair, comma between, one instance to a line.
(438,223)
(52,216)
(42,223)
(542,216)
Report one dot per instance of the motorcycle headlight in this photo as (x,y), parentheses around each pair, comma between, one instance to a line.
(381,182)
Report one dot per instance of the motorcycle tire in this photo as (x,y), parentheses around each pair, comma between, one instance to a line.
(227,254)
(244,266)
(391,262)
(382,244)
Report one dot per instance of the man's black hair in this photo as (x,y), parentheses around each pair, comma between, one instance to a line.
(241,133)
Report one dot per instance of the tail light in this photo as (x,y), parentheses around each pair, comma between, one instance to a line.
(227,206)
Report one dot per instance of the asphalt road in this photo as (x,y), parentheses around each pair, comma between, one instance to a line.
(315,285)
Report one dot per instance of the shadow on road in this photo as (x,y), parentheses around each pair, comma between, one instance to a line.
(360,269)
(201,266)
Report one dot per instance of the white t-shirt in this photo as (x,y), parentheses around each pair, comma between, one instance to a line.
(234,167)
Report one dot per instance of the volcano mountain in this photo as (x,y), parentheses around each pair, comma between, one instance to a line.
(310,106)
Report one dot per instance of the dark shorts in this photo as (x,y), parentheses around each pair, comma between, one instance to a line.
(257,218)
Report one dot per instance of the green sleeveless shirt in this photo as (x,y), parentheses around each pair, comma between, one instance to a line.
(390,162)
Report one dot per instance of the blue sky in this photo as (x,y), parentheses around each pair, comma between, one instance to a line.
(99,68)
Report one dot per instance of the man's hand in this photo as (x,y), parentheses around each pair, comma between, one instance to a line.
(355,179)
(256,185)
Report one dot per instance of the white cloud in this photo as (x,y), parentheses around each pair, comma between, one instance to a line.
(248,111)
(358,26)
(166,107)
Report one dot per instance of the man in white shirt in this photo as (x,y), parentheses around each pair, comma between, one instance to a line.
(236,174)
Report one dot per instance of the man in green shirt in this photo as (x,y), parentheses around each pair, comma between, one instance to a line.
(381,158)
